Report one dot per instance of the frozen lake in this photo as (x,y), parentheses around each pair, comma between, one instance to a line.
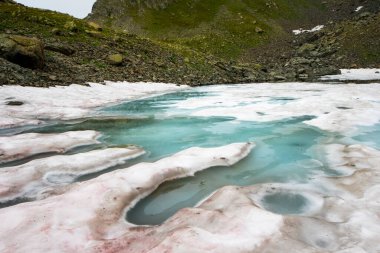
(291,125)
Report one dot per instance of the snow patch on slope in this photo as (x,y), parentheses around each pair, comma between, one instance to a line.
(314,29)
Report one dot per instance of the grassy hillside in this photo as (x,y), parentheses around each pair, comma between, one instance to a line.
(143,59)
(226,28)
(194,42)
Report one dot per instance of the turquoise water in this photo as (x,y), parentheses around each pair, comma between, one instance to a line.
(285,203)
(369,136)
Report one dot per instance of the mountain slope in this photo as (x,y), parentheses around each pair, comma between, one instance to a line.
(78,52)
(225,28)
(242,30)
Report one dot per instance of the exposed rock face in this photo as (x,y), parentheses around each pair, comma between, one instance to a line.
(24,51)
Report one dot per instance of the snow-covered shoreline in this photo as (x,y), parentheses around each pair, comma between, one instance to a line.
(34,105)
(354,75)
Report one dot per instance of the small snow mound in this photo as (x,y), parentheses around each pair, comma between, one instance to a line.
(315,29)
(358,9)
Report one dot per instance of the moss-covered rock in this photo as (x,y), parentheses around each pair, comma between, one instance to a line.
(95,26)
(115,59)
(24,51)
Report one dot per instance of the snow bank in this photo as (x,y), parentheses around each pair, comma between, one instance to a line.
(24,145)
(340,215)
(41,177)
(354,75)
(90,216)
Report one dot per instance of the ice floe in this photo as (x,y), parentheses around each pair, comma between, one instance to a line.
(314,29)
(20,146)
(90,216)
(42,177)
(355,75)
(30,105)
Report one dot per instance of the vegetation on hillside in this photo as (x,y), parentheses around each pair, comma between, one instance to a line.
(91,47)
(226,28)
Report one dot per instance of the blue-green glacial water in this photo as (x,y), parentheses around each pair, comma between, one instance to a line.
(284,151)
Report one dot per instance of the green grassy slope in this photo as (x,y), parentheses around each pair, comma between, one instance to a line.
(226,28)
(145,59)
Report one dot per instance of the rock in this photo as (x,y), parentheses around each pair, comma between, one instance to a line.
(60,48)
(259,30)
(279,78)
(306,48)
(276,76)
(301,71)
(300,61)
(364,15)
(56,31)
(71,26)
(117,39)
(94,34)
(327,51)
(53,78)
(95,26)
(14,103)
(24,51)
(329,70)
(303,77)
(115,59)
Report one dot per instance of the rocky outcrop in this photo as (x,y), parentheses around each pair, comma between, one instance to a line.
(24,51)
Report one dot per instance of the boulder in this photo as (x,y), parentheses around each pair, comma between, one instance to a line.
(71,26)
(57,31)
(259,30)
(328,70)
(115,59)
(277,76)
(303,77)
(24,51)
(94,34)
(299,61)
(306,48)
(60,48)
(95,26)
